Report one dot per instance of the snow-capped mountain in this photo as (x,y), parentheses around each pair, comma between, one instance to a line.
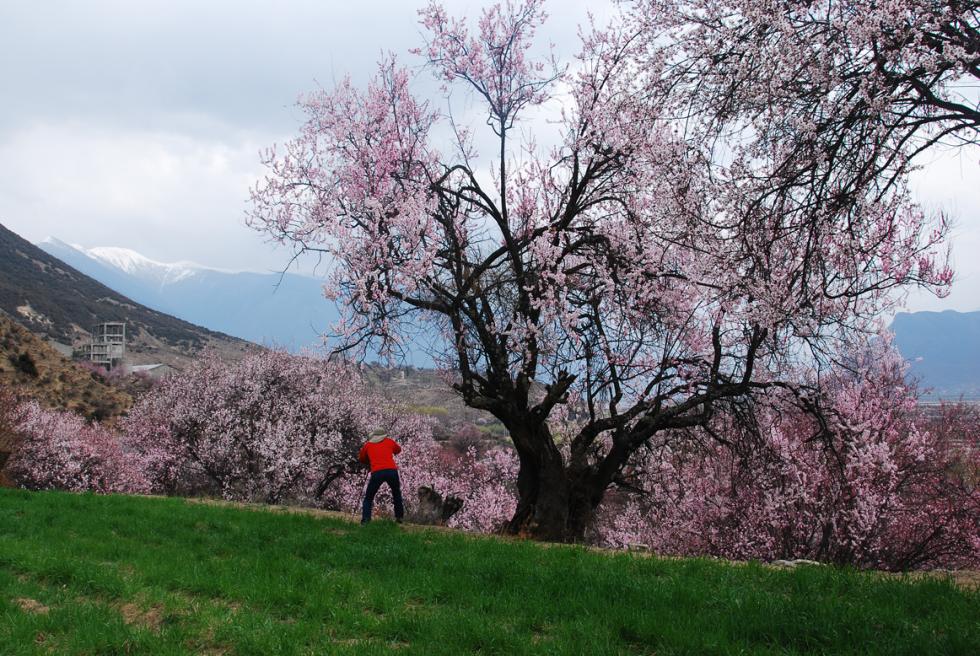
(134,264)
(267,308)
(51,298)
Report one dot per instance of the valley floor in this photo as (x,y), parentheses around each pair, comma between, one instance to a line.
(85,574)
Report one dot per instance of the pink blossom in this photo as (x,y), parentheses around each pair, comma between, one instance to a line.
(724,204)
(876,485)
(58,450)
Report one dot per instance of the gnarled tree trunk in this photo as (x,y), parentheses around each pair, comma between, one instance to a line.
(555,502)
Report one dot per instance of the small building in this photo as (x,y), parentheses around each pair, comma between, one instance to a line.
(108,344)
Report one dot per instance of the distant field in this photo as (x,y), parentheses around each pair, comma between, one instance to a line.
(119,575)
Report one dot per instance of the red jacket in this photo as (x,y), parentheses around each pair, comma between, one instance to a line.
(380,455)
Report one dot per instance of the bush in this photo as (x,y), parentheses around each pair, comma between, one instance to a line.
(273,427)
(858,478)
(59,450)
(25,364)
(281,428)
(484,483)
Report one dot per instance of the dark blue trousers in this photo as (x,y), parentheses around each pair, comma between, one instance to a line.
(389,476)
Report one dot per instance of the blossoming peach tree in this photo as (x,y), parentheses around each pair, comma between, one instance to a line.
(59,450)
(271,428)
(692,236)
(867,481)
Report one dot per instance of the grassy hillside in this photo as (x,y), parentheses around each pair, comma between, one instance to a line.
(112,575)
(31,367)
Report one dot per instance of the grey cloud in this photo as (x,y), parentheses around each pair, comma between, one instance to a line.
(151,65)
(137,123)
(114,112)
(141,65)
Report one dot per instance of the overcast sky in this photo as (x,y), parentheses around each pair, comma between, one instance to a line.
(138,124)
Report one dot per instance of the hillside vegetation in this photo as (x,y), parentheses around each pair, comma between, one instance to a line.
(426,392)
(83,574)
(31,367)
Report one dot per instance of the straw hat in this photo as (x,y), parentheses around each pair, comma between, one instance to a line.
(378,435)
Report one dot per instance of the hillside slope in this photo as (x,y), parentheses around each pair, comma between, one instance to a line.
(164,576)
(425,392)
(52,298)
(31,367)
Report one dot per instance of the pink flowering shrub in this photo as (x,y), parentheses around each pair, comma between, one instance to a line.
(863,483)
(59,450)
(483,483)
(273,427)
(854,474)
(282,428)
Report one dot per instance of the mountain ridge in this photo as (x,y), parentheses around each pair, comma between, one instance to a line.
(52,298)
(279,309)
(943,350)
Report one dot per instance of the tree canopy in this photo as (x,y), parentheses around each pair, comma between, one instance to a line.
(726,200)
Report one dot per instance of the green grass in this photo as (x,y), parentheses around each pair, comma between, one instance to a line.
(83,574)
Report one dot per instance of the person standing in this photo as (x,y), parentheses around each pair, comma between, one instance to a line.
(379,452)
